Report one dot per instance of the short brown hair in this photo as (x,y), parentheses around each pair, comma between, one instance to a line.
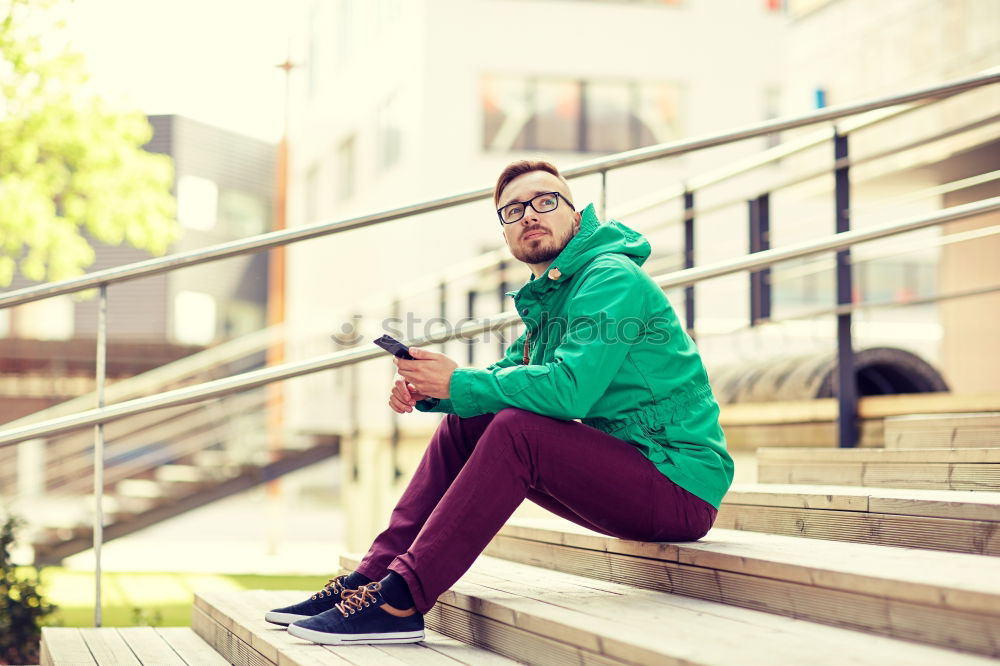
(521,167)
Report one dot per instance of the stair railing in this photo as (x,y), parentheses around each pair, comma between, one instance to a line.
(760,260)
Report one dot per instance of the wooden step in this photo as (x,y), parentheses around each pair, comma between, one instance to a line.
(233,623)
(960,521)
(130,646)
(748,425)
(546,617)
(946,599)
(946,469)
(980,430)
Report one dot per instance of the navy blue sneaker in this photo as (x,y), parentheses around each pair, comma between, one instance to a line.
(314,605)
(363,616)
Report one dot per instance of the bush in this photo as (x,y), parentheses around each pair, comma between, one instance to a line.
(21,606)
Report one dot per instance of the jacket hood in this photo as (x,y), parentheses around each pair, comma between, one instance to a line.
(592,240)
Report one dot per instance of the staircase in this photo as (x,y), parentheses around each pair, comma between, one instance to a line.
(885,554)
(158,464)
(817,573)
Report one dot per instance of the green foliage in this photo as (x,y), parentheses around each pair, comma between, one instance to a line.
(68,163)
(21,606)
(142,617)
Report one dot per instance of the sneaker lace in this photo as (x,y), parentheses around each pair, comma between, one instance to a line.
(334,586)
(355,600)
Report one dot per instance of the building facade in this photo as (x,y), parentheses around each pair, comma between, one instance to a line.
(400,101)
(224,184)
(853,49)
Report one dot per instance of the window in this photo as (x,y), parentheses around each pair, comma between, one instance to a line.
(47,319)
(242,214)
(197,202)
(574,115)
(556,121)
(345,169)
(506,109)
(610,123)
(388,134)
(194,318)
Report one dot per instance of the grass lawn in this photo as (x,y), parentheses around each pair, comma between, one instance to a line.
(159,599)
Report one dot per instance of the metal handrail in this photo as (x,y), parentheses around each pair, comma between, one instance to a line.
(839,241)
(823,265)
(171,373)
(850,308)
(698,182)
(102,279)
(797,179)
(233,384)
(640,155)
(701,181)
(681,278)
(597,166)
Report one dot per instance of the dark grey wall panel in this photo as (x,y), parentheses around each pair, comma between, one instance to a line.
(142,309)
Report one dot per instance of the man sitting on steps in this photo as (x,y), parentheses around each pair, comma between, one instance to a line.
(647,461)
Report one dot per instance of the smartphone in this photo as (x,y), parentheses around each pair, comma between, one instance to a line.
(394,347)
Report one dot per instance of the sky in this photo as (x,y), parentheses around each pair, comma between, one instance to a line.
(213,60)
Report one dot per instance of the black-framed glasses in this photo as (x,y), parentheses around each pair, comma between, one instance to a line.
(542,203)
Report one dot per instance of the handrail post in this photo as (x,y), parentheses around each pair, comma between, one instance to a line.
(502,300)
(395,434)
(760,240)
(443,310)
(847,394)
(354,403)
(604,194)
(101,371)
(471,311)
(689,260)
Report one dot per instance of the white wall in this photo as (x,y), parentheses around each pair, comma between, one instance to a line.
(725,55)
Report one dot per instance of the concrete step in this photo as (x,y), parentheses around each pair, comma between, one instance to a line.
(193,473)
(162,500)
(546,617)
(942,468)
(233,623)
(961,521)
(148,489)
(980,430)
(131,646)
(945,599)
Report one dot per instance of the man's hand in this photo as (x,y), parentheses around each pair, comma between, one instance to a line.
(404,397)
(429,373)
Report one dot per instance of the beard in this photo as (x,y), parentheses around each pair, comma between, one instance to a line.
(542,249)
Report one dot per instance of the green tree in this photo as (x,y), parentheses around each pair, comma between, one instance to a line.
(22,608)
(69,165)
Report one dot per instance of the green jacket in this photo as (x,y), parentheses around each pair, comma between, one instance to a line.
(605,347)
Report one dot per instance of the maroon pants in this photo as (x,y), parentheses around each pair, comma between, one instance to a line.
(476,471)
